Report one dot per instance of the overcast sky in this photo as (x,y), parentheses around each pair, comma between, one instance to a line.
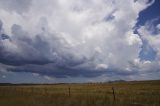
(50,41)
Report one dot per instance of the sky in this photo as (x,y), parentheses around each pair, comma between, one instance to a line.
(67,41)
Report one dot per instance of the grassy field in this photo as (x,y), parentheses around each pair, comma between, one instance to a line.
(142,93)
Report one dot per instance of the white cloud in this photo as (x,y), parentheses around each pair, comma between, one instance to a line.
(158,26)
(101,66)
(49,78)
(36,74)
(153,39)
(13,5)
(82,32)
(148,35)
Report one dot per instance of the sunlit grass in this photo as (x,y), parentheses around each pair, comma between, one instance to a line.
(144,93)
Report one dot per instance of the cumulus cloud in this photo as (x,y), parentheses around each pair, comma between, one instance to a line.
(63,38)
(18,6)
(151,34)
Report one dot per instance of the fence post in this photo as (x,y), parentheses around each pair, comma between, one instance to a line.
(69,91)
(114,97)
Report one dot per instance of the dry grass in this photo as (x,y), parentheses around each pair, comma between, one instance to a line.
(144,93)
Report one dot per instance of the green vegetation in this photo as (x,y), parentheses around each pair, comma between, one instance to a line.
(142,93)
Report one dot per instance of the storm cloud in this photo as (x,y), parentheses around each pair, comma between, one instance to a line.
(89,38)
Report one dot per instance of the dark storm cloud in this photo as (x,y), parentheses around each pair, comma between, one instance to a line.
(31,51)
(16,60)
(61,42)
(35,57)
(34,51)
(64,72)
(53,71)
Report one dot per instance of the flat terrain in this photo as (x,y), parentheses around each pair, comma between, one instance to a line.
(135,93)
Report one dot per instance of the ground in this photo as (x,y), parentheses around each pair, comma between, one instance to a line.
(133,93)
